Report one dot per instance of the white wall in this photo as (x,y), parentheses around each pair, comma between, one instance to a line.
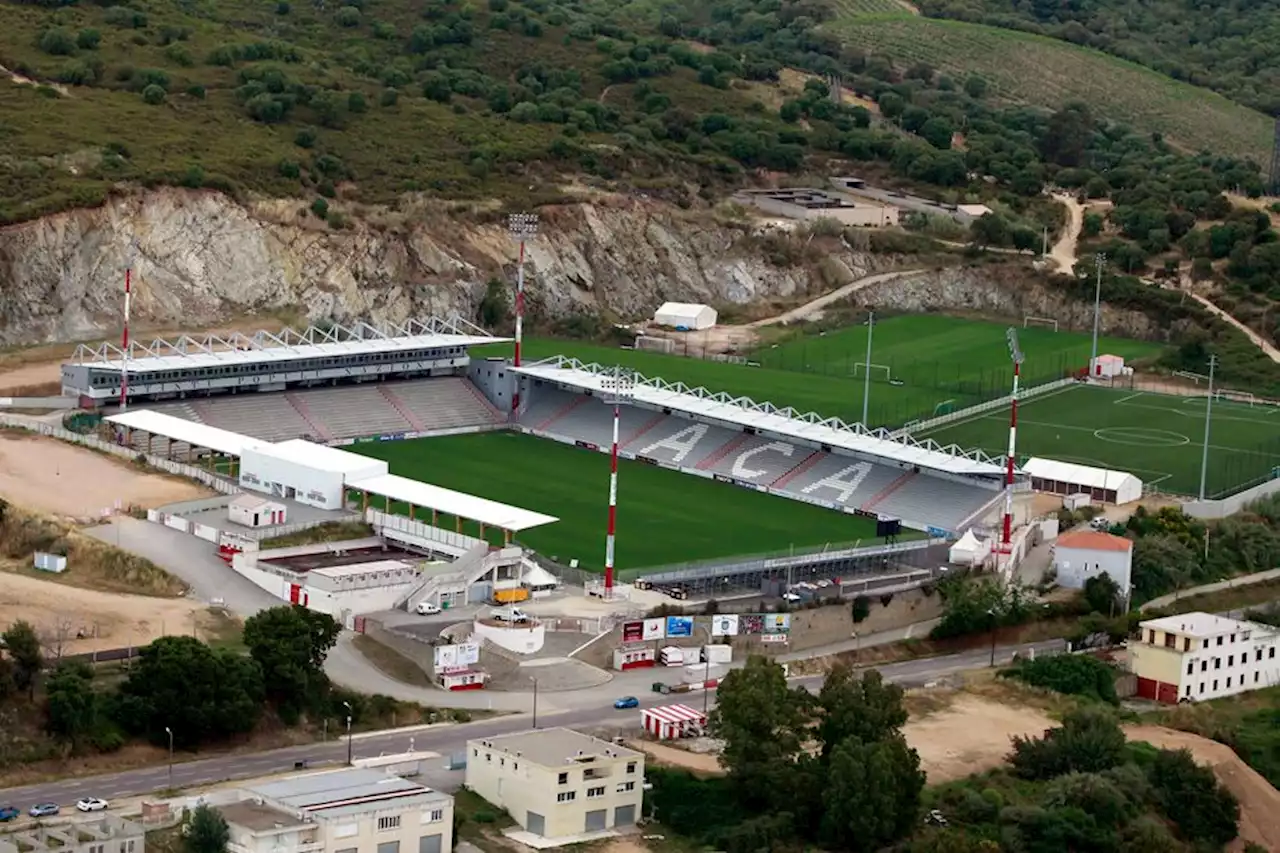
(357,601)
(1077,565)
(262,472)
(245,565)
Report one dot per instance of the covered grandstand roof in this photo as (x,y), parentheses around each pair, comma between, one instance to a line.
(743,411)
(487,512)
(1083,475)
(262,346)
(190,432)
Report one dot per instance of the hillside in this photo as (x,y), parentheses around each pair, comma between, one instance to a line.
(1230,46)
(1034,69)
(373,101)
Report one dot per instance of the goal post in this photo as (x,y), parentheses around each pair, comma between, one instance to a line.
(1042,322)
(652,344)
(861,368)
(946,407)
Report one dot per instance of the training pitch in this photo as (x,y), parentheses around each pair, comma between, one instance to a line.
(922,365)
(664,516)
(1157,437)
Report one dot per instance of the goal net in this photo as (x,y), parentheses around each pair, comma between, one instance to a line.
(665,345)
(877,371)
(1043,322)
(946,407)
(1230,396)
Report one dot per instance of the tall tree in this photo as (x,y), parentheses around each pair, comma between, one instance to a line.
(71,704)
(762,723)
(1089,741)
(872,793)
(207,831)
(1191,796)
(290,643)
(862,706)
(23,646)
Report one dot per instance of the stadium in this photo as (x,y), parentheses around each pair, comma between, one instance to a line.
(414,427)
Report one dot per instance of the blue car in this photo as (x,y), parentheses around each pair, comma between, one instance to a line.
(43,809)
(8,813)
(627,702)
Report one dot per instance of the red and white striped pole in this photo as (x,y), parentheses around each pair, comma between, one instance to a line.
(523,227)
(617,387)
(1015,353)
(124,337)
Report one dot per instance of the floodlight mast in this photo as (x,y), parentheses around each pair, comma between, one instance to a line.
(617,387)
(130,256)
(1015,355)
(523,227)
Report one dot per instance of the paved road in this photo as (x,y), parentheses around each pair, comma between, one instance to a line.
(445,739)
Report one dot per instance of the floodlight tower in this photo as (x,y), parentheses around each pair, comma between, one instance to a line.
(523,227)
(1099,261)
(617,387)
(129,257)
(1015,355)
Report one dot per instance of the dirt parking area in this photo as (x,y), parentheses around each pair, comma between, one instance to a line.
(971,735)
(61,614)
(50,476)
(1259,801)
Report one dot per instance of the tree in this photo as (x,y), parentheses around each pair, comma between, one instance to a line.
(861,706)
(974,86)
(1191,797)
(990,229)
(871,795)
(206,832)
(71,704)
(860,609)
(762,723)
(199,693)
(153,95)
(290,644)
(1076,675)
(1102,593)
(1089,741)
(24,649)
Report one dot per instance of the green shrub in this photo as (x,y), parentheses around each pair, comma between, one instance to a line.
(88,39)
(320,208)
(58,42)
(125,18)
(153,94)
(1074,675)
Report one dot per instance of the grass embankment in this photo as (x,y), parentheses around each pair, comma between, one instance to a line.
(664,516)
(330,531)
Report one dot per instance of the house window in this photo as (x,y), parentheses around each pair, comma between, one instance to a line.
(1271,652)
(1257,654)
(1217,663)
(1204,664)
(566,796)
(1219,641)
(564,779)
(1151,636)
(1191,666)
(388,823)
(1255,678)
(595,792)
(488,756)
(437,815)
(475,753)
(502,762)
(631,767)
(1215,684)
(389,847)
(1202,687)
(1228,682)
(1170,641)
(1188,693)
(515,765)
(1231,660)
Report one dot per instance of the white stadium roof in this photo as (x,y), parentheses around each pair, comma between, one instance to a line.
(487,512)
(186,353)
(190,432)
(743,411)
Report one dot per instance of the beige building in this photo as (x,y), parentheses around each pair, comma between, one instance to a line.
(106,833)
(1195,656)
(345,811)
(558,783)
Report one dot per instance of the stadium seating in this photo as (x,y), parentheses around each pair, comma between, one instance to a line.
(270,417)
(445,403)
(886,488)
(349,411)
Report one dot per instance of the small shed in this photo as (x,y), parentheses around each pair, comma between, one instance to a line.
(1109,367)
(969,550)
(256,511)
(685,316)
(668,722)
(1067,478)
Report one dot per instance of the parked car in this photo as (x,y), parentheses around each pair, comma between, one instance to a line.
(91,804)
(8,813)
(427,608)
(626,702)
(43,809)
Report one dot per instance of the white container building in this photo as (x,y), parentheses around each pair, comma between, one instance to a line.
(309,473)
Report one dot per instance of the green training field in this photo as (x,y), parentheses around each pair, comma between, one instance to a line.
(664,517)
(943,362)
(1157,437)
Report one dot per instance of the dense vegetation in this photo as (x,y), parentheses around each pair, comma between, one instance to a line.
(834,771)
(369,100)
(1230,46)
(1249,724)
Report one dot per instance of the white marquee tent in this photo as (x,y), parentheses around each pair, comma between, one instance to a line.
(685,316)
(969,550)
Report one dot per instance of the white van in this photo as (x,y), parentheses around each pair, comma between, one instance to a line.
(508,614)
(427,608)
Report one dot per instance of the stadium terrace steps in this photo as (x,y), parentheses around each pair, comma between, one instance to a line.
(496,415)
(400,407)
(303,409)
(804,465)
(644,428)
(884,493)
(352,411)
(573,402)
(444,403)
(724,451)
(936,501)
(758,460)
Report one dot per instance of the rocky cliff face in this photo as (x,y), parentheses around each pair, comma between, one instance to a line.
(203,259)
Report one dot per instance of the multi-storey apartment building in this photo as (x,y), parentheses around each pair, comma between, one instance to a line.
(1195,656)
(558,783)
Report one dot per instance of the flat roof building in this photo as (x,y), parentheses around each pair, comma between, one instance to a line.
(106,833)
(558,783)
(344,811)
(1194,656)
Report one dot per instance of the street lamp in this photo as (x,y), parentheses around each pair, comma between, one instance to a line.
(992,614)
(169,732)
(535,702)
(523,227)
(348,707)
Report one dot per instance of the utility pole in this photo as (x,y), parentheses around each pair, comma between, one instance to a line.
(348,707)
(523,227)
(130,255)
(1208,417)
(1016,357)
(1099,261)
(169,732)
(866,379)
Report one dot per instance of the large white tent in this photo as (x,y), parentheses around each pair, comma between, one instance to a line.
(969,550)
(1068,478)
(685,316)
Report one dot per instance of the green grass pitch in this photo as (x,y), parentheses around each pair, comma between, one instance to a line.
(942,361)
(664,516)
(1157,437)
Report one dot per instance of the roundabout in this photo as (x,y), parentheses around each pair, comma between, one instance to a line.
(1141,437)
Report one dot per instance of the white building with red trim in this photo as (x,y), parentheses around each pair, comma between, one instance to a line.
(668,722)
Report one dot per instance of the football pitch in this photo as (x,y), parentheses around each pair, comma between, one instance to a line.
(922,365)
(664,516)
(1157,437)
